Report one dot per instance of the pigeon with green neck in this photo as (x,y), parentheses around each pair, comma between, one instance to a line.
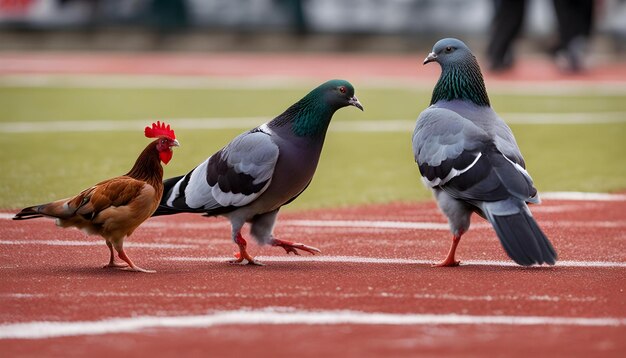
(469,158)
(258,172)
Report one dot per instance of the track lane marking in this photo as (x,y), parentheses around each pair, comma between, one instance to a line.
(264,81)
(306,294)
(95,243)
(393,261)
(388,125)
(283,316)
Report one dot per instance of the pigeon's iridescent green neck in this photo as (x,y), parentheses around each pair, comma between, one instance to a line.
(313,118)
(309,117)
(463,81)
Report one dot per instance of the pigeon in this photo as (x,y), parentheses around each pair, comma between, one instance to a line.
(259,171)
(468,156)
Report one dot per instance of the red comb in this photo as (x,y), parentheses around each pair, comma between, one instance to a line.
(159,129)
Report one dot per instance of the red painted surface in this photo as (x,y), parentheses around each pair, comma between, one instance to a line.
(66,283)
(354,67)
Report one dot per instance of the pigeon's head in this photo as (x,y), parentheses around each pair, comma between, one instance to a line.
(449,51)
(338,94)
(460,74)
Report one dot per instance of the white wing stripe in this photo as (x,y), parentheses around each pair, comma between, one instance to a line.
(453,173)
(519,168)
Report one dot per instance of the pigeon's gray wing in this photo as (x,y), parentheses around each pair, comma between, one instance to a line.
(445,145)
(231,178)
(505,142)
(459,157)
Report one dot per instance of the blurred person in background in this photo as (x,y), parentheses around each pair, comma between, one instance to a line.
(574,25)
(508,18)
(574,21)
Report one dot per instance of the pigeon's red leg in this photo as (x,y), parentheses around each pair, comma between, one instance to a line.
(290,247)
(449,261)
(131,265)
(242,257)
(112,263)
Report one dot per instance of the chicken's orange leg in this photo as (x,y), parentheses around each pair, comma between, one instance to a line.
(112,263)
(290,247)
(449,261)
(242,257)
(131,265)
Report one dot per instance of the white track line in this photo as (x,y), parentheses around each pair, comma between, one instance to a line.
(94,243)
(272,316)
(299,293)
(581,196)
(363,224)
(390,125)
(264,82)
(379,260)
(376,224)
(403,225)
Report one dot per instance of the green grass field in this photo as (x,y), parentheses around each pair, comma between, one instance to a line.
(356,167)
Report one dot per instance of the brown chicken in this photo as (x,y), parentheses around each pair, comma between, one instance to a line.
(114,208)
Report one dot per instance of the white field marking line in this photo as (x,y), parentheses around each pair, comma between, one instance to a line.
(550,88)
(369,224)
(407,225)
(581,196)
(364,225)
(390,125)
(95,243)
(274,316)
(299,293)
(380,260)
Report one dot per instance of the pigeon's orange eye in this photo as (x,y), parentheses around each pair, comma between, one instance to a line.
(342,89)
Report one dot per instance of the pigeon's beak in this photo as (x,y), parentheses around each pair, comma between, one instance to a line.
(430,58)
(353,101)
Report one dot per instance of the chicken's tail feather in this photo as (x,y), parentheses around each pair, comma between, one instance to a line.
(28,213)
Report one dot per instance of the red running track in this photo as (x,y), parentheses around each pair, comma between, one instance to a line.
(354,67)
(371,292)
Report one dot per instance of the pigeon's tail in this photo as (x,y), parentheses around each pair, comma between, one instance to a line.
(519,233)
(163,208)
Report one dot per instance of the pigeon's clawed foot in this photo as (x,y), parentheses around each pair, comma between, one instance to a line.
(293,247)
(245,260)
(450,261)
(242,257)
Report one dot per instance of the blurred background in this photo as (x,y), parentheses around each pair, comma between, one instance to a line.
(79,79)
(309,25)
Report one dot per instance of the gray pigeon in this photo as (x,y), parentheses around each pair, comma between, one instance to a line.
(261,170)
(469,158)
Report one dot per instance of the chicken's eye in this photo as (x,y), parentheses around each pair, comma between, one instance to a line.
(342,89)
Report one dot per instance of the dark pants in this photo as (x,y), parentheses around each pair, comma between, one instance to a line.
(507,23)
(575,20)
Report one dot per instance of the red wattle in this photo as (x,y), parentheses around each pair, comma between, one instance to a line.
(166,156)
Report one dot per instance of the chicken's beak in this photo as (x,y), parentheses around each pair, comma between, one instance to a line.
(353,101)
(430,58)
(175,143)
